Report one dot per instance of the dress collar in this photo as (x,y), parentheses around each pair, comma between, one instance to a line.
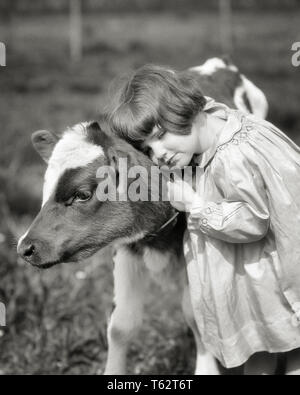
(232,126)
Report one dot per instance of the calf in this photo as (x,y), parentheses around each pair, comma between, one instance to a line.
(147,236)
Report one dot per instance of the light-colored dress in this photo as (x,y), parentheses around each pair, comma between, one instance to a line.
(242,245)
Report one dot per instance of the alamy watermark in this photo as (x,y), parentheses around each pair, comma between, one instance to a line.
(2,314)
(296,56)
(2,55)
(138,183)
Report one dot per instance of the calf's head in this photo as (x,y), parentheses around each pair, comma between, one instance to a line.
(74,223)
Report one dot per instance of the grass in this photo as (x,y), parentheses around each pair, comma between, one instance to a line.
(57,319)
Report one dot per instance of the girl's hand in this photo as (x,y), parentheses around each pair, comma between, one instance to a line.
(181,194)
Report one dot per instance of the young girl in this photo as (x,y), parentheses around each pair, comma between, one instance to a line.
(242,245)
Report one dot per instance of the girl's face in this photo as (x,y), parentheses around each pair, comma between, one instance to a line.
(171,149)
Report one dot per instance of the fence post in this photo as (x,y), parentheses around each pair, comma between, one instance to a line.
(2,55)
(226,26)
(8,21)
(76,30)
(2,315)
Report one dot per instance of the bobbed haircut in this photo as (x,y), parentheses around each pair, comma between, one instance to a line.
(155,96)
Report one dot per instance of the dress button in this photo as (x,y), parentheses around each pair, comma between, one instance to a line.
(296,316)
(204,222)
(208,211)
(296,320)
(296,307)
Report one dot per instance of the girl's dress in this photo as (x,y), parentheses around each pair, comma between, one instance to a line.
(242,245)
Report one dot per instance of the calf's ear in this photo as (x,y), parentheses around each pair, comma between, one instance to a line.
(44,143)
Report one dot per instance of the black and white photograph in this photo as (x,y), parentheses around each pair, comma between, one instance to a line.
(150,190)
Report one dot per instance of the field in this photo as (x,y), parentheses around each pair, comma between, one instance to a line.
(56,320)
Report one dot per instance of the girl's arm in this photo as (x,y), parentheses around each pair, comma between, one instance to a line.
(233,222)
(243,216)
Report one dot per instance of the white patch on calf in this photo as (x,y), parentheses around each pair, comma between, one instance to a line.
(71,152)
(213,65)
(156,261)
(257,99)
(163,267)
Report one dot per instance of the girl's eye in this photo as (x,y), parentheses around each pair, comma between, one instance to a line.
(160,134)
(148,151)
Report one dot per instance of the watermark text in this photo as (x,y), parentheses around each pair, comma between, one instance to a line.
(138,183)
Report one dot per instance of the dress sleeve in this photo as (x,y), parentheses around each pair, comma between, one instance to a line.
(243,215)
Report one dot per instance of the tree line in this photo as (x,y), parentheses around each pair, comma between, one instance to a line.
(32,6)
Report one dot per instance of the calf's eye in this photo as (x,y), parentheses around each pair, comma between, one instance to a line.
(83,196)
(79,197)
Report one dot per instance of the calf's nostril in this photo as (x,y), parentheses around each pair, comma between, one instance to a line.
(29,251)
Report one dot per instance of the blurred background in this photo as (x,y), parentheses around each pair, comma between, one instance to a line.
(61,58)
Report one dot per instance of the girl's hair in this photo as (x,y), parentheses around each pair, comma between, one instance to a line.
(155,96)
